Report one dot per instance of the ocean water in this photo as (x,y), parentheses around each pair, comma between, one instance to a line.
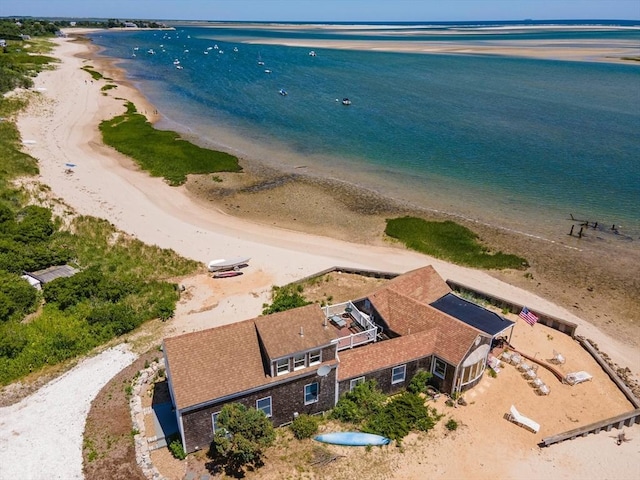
(513,142)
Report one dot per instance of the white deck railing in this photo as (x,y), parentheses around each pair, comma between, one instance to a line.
(362,319)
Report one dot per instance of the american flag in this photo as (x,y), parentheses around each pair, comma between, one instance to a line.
(528,316)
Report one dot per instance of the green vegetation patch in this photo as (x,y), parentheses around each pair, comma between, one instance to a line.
(162,153)
(94,74)
(285,298)
(449,241)
(370,410)
(18,66)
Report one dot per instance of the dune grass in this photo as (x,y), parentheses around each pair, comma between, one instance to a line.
(449,241)
(162,153)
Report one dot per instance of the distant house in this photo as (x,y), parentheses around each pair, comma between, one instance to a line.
(130,25)
(3,43)
(302,360)
(39,278)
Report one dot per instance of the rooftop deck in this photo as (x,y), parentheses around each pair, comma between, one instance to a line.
(352,327)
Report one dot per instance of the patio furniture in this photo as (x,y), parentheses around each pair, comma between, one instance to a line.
(506,356)
(516,359)
(338,321)
(558,359)
(530,374)
(536,382)
(524,366)
(542,390)
(577,377)
(519,419)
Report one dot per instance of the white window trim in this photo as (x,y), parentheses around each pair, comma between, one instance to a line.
(317,395)
(283,372)
(302,357)
(214,416)
(355,382)
(270,406)
(435,361)
(404,374)
(319,355)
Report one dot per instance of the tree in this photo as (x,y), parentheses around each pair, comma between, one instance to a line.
(242,435)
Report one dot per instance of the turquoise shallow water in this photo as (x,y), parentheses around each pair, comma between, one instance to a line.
(519,143)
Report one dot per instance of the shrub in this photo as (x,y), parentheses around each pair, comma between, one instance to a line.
(363,401)
(305,426)
(451,425)
(402,414)
(177,450)
(418,383)
(285,298)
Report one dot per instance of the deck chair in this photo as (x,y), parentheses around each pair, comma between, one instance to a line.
(519,419)
(542,389)
(558,359)
(577,377)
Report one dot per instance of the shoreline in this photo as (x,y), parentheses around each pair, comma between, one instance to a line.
(146,205)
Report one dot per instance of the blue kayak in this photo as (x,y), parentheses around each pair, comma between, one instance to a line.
(352,439)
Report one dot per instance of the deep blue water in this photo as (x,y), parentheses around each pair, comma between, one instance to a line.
(486,137)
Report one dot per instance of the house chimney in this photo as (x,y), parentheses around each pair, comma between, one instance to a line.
(301,332)
(325,324)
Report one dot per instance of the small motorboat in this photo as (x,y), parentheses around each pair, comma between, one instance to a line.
(283,92)
(312,53)
(346,101)
(267,71)
(235,49)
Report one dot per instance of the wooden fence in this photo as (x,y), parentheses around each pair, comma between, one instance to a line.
(620,421)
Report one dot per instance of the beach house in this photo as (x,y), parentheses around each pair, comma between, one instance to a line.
(302,360)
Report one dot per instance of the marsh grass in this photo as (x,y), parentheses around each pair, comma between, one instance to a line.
(449,241)
(162,153)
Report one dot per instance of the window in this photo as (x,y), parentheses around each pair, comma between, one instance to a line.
(264,404)
(354,382)
(471,373)
(214,421)
(299,361)
(311,393)
(282,366)
(315,357)
(439,368)
(398,374)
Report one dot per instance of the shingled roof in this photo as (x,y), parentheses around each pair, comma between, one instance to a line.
(293,331)
(396,351)
(226,360)
(424,285)
(213,363)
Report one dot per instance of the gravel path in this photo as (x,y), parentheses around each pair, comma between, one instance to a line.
(41,436)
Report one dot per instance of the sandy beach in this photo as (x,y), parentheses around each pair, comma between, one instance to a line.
(61,127)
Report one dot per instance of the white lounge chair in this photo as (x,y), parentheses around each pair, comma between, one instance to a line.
(577,377)
(525,422)
(558,359)
(542,389)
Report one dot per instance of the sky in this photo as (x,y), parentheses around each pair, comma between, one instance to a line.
(327,10)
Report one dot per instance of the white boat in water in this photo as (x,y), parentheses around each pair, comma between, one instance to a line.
(312,53)
(222,264)
(282,92)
